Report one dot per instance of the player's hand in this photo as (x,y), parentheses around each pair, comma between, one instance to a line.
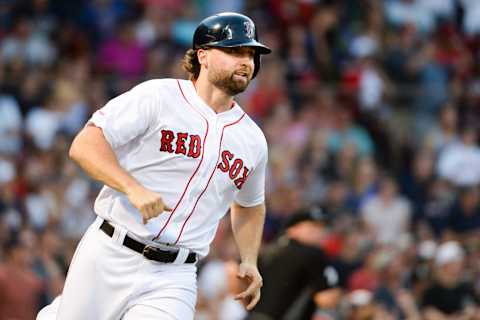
(251,295)
(149,203)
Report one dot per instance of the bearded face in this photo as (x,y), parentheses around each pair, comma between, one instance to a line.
(231,82)
(231,69)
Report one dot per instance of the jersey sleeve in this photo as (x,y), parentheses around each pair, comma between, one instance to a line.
(127,116)
(253,192)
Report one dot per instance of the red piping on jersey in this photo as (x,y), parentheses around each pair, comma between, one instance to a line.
(196,169)
(209,179)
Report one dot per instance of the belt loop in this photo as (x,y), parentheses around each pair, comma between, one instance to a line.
(118,235)
(97,223)
(181,256)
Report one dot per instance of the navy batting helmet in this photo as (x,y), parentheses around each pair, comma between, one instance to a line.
(227,30)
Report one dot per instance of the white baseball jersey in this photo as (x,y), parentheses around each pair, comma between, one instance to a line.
(199,161)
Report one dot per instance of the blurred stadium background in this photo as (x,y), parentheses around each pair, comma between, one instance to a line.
(371,109)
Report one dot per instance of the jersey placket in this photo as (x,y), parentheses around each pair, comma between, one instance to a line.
(203,179)
(168,232)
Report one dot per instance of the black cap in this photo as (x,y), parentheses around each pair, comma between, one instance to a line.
(314,214)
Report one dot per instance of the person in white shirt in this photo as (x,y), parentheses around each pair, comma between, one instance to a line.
(10,125)
(387,215)
(174,156)
(459,163)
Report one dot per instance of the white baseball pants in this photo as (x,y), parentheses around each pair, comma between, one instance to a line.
(108,281)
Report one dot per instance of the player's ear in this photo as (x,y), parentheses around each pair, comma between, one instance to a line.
(202,57)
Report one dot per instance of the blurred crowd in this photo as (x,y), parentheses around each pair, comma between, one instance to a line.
(371,110)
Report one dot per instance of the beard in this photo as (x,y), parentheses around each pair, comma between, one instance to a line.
(226,82)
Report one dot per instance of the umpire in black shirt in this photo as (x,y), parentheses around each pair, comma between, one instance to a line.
(295,268)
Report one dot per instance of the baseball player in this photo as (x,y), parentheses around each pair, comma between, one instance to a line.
(174,155)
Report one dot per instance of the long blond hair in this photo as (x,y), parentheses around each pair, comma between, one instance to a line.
(190,64)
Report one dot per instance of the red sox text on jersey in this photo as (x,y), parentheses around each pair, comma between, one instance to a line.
(191,145)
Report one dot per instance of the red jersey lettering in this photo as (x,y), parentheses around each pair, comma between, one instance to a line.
(195,146)
(240,181)
(225,164)
(166,141)
(235,169)
(181,138)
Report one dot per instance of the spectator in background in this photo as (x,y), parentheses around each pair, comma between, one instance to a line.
(373,89)
(352,253)
(471,21)
(416,181)
(469,109)
(460,162)
(98,18)
(445,132)
(70,102)
(123,55)
(431,82)
(48,264)
(299,65)
(40,14)
(399,53)
(324,26)
(155,23)
(368,275)
(20,288)
(421,275)
(387,215)
(344,164)
(63,111)
(393,293)
(364,184)
(440,197)
(402,12)
(10,204)
(451,296)
(75,217)
(314,166)
(10,125)
(27,45)
(41,204)
(30,91)
(335,198)
(267,92)
(464,215)
(346,131)
(42,124)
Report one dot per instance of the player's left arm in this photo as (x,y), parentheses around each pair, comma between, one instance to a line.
(247,226)
(248,216)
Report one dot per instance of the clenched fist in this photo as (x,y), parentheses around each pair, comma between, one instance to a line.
(149,203)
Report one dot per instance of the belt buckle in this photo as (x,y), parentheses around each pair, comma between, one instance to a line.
(149,252)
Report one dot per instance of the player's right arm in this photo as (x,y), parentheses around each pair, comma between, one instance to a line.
(92,152)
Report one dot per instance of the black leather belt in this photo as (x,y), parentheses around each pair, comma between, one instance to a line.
(149,252)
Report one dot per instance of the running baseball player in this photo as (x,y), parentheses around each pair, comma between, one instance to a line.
(174,155)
